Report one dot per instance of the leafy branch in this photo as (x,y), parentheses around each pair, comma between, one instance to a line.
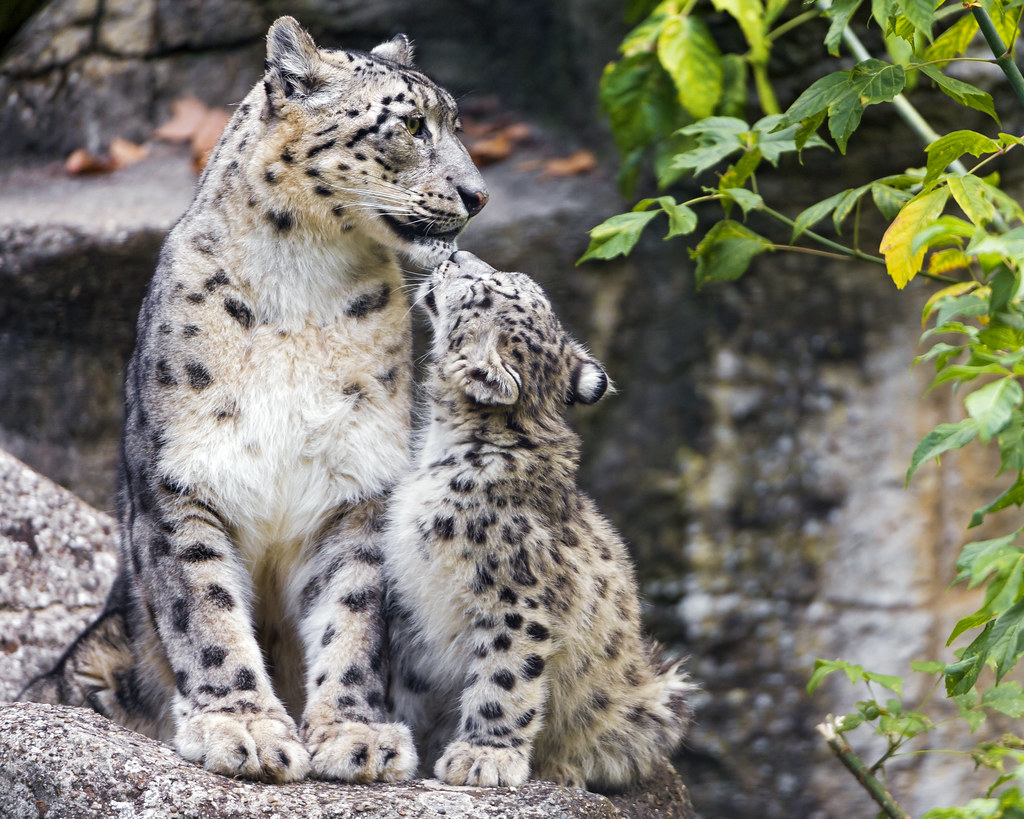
(676,103)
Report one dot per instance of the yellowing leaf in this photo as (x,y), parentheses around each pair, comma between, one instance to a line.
(688,52)
(946,261)
(901,263)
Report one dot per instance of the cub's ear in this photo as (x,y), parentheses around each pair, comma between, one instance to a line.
(293,63)
(487,379)
(588,381)
(398,49)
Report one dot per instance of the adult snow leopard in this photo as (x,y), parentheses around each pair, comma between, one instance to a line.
(267,416)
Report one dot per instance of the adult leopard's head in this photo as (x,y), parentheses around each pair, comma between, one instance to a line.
(363,142)
(498,342)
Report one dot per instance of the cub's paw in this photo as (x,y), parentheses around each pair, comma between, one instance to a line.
(466,764)
(261,746)
(561,774)
(361,752)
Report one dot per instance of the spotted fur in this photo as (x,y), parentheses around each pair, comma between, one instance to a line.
(267,417)
(516,624)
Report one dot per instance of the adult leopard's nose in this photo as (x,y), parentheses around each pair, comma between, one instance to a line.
(474,199)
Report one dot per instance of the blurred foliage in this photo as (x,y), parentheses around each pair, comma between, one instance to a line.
(676,100)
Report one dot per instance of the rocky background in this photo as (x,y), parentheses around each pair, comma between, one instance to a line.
(753,456)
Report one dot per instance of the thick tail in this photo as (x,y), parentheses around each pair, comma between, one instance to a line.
(674,690)
(88,672)
(99,671)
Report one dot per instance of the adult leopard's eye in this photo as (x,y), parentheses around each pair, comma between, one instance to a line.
(414,125)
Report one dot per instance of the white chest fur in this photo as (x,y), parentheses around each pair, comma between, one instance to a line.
(309,408)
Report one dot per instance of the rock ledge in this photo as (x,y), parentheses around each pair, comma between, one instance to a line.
(71,762)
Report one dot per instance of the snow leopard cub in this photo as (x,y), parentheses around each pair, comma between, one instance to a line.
(516,635)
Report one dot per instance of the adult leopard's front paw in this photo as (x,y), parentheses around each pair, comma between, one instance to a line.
(466,764)
(361,752)
(261,746)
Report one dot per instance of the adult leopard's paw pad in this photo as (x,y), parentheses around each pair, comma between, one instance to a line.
(255,746)
(361,752)
(482,766)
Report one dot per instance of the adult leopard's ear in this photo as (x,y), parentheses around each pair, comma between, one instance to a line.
(398,49)
(293,62)
(588,381)
(488,379)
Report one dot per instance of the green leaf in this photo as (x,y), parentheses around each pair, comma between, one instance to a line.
(954,40)
(682,220)
(1005,643)
(688,52)
(717,137)
(901,263)
(726,251)
(733,100)
(928,667)
(893,683)
(617,236)
(919,13)
(1014,496)
(942,439)
(840,13)
(952,146)
(1004,284)
(992,406)
(870,82)
(979,559)
(750,16)
(741,170)
(889,200)
(1009,245)
(946,230)
(642,107)
(962,92)
(1006,698)
(969,193)
(809,217)
(847,204)
(822,668)
(816,98)
(1011,444)
(746,199)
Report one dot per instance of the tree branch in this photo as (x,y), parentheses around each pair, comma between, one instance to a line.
(841,748)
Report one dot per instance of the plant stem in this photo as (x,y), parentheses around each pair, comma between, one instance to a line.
(1004,59)
(843,249)
(789,25)
(841,748)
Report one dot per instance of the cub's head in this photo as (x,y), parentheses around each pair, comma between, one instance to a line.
(365,142)
(498,342)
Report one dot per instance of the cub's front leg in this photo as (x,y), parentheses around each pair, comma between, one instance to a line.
(227,717)
(342,624)
(503,701)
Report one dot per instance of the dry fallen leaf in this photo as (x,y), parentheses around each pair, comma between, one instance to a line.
(573,165)
(186,115)
(124,153)
(193,122)
(499,146)
(488,151)
(81,162)
(206,136)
